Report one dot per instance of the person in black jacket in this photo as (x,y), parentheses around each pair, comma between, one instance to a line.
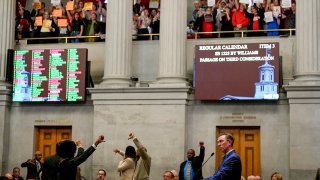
(34,166)
(50,166)
(256,20)
(67,167)
(191,168)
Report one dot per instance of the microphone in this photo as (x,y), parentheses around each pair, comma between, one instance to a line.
(203,165)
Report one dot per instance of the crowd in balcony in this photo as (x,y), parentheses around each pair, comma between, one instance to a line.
(231,15)
(88,18)
(60,20)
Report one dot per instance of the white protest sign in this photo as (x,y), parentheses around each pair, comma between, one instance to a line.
(154,4)
(258,1)
(286,3)
(244,1)
(268,16)
(211,3)
(55,2)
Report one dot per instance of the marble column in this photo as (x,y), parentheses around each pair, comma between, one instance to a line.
(172,61)
(7,21)
(304,94)
(308,40)
(117,68)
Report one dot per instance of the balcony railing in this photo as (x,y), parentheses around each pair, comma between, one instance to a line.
(196,35)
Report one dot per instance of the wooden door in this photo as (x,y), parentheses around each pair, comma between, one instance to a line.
(247,145)
(47,138)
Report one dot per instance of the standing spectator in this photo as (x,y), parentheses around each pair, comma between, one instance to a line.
(9,176)
(137,8)
(239,19)
(93,27)
(191,30)
(102,10)
(76,27)
(39,12)
(230,167)
(291,21)
(206,22)
(276,176)
(226,22)
(33,166)
(256,16)
(23,24)
(16,174)
(155,23)
(127,165)
(204,4)
(68,164)
(135,26)
(317,175)
(143,163)
(191,168)
(47,28)
(101,175)
(273,24)
(196,5)
(144,22)
(50,166)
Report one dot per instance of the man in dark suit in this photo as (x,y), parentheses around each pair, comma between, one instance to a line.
(191,168)
(34,166)
(230,167)
(67,168)
(50,166)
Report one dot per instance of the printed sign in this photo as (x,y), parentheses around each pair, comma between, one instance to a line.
(55,2)
(87,6)
(37,5)
(154,4)
(38,21)
(57,13)
(286,3)
(211,3)
(62,22)
(70,6)
(268,16)
(244,1)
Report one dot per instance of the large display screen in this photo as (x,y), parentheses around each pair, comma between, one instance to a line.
(237,71)
(49,75)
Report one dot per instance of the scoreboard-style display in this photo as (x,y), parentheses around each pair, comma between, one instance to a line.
(49,75)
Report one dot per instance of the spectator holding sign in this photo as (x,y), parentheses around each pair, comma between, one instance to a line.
(206,22)
(272,23)
(256,16)
(239,19)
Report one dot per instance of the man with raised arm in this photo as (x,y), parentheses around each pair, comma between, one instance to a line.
(142,170)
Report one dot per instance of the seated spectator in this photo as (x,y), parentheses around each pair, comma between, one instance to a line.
(168,175)
(256,16)
(276,176)
(206,22)
(175,174)
(258,178)
(101,175)
(318,174)
(239,19)
(16,174)
(93,27)
(251,177)
(144,22)
(225,19)
(9,176)
(76,28)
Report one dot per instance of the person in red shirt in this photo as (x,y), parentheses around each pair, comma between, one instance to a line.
(206,22)
(256,20)
(239,19)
